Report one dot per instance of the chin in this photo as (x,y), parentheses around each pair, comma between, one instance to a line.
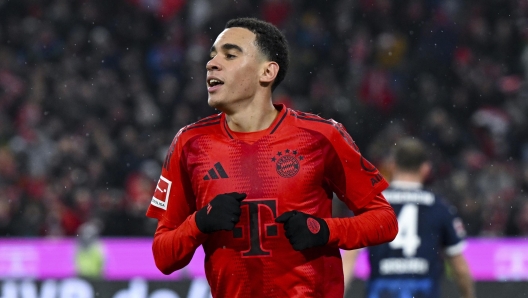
(214,103)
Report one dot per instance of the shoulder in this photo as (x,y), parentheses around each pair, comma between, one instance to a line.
(311,121)
(204,126)
(441,206)
(445,205)
(316,123)
(332,130)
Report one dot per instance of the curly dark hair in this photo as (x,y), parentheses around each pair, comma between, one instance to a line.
(270,41)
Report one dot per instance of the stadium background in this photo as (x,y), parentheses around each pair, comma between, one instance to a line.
(93,91)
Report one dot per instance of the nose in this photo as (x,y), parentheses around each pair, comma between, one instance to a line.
(212,64)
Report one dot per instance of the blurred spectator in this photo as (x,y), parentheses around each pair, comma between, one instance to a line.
(92,92)
(89,253)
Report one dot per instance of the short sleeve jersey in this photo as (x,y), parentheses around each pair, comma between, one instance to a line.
(412,264)
(297,165)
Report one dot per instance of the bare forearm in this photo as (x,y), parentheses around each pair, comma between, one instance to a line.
(349,264)
(466,286)
(462,276)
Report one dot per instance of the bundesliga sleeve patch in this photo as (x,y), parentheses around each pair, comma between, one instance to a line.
(160,198)
(459,227)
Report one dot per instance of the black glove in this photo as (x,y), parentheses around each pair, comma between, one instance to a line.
(303,230)
(222,213)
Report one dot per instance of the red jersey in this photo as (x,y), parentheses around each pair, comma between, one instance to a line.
(296,164)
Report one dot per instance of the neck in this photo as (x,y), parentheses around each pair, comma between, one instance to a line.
(254,116)
(407,177)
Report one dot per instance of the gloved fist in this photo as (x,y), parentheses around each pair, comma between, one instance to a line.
(222,213)
(303,230)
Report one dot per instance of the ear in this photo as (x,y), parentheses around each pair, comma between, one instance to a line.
(269,72)
(390,165)
(425,170)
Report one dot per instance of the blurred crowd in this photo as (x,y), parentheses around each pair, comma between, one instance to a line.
(93,91)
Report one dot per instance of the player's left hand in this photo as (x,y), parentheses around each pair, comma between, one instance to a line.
(303,230)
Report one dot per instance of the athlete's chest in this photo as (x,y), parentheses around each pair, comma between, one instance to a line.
(261,169)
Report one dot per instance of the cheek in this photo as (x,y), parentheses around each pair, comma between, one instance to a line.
(247,78)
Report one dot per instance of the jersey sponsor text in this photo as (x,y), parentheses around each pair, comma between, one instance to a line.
(402,197)
(404,266)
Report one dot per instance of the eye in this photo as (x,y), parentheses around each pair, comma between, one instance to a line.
(229,56)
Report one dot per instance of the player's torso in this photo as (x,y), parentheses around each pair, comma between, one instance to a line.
(278,173)
(411,264)
(271,168)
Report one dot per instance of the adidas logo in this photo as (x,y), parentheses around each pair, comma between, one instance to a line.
(218,174)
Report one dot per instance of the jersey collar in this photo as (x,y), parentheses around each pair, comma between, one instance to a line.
(406,184)
(270,130)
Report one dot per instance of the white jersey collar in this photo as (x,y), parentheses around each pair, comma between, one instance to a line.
(406,184)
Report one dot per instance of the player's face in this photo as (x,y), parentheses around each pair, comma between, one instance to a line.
(234,68)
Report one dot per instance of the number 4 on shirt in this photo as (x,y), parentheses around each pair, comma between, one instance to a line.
(407,238)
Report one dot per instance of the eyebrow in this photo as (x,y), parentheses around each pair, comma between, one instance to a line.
(228,46)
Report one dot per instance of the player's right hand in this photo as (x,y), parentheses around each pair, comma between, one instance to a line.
(222,213)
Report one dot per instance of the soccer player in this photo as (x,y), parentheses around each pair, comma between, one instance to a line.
(429,233)
(254,184)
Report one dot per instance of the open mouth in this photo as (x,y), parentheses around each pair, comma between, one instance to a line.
(214,82)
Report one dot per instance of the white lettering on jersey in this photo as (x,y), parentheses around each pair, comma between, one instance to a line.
(160,198)
(403,197)
(404,266)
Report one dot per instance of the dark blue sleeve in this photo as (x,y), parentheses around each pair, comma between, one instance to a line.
(452,228)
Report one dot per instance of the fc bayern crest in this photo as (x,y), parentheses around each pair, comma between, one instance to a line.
(287,163)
